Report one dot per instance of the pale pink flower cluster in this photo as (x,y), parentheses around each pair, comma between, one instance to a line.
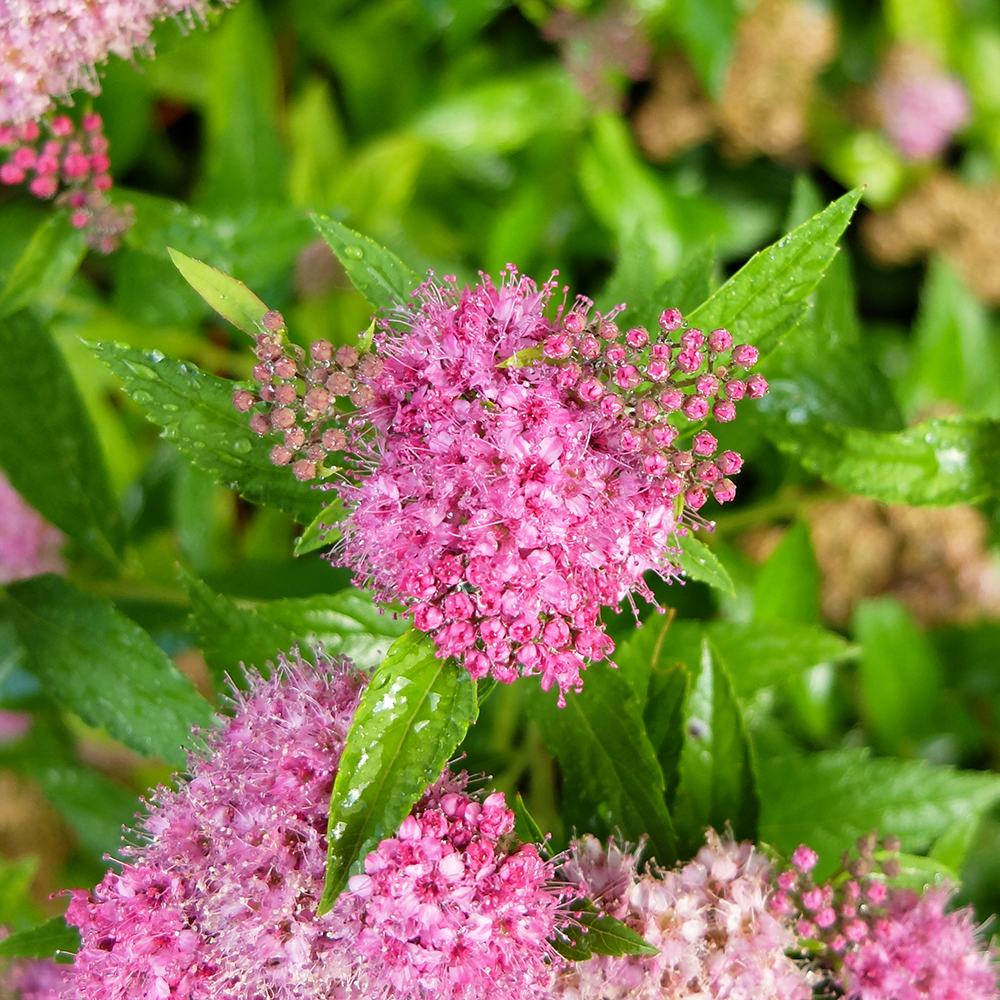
(710,920)
(29,545)
(35,979)
(516,469)
(448,912)
(922,112)
(220,900)
(885,942)
(49,48)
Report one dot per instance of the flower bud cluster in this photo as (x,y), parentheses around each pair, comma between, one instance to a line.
(69,163)
(304,397)
(884,942)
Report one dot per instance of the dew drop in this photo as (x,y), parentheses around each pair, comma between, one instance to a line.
(352,250)
(241,446)
(172,407)
(142,397)
(155,355)
(144,371)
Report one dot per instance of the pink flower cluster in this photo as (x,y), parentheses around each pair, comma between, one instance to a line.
(220,900)
(29,545)
(885,943)
(49,48)
(36,979)
(525,469)
(710,920)
(447,910)
(922,112)
(71,162)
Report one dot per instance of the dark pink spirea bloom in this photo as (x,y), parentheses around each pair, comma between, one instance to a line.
(517,468)
(220,898)
(49,48)
(710,920)
(29,545)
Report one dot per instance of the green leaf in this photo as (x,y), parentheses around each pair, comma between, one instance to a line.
(48,447)
(412,716)
(381,277)
(766,297)
(44,941)
(524,823)
(899,676)
(606,757)
(322,529)
(706,27)
(699,562)
(232,632)
(788,583)
(939,462)
(717,769)
(828,799)
(101,665)
(196,412)
(599,934)
(917,872)
(230,298)
(50,260)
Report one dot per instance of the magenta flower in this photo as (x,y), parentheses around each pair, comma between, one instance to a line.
(219,897)
(35,979)
(922,111)
(710,919)
(49,48)
(514,471)
(29,545)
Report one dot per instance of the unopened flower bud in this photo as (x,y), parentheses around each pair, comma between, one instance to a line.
(267,392)
(672,484)
(590,390)
(637,337)
(696,498)
(304,470)
(745,355)
(568,375)
(671,400)
(262,372)
(361,395)
(259,423)
(647,410)
(574,322)
(316,453)
(370,366)
(656,465)
(756,386)
(891,868)
(657,371)
(611,405)
(334,439)
(558,346)
(284,367)
(696,408)
(317,398)
(609,330)
(683,460)
(294,438)
(243,400)
(730,462)
(706,385)
(347,357)
(273,320)
(719,341)
(590,347)
(891,843)
(615,355)
(280,455)
(321,350)
(689,361)
(631,440)
(735,389)
(704,444)
(724,411)
(339,384)
(285,394)
(707,473)
(670,320)
(693,340)
(724,491)
(282,417)
(627,376)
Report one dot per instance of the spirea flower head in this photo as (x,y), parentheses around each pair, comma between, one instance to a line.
(29,545)
(49,48)
(884,942)
(35,979)
(710,919)
(220,897)
(517,467)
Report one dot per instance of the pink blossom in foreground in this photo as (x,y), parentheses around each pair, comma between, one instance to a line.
(921,112)
(710,919)
(29,545)
(49,48)
(514,471)
(35,979)
(885,942)
(220,897)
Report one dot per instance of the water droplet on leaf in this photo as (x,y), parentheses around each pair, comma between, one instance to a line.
(352,250)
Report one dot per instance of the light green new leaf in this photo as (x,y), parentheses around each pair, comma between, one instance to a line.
(699,562)
(50,260)
(43,941)
(230,298)
(412,716)
(767,297)
(48,445)
(598,934)
(196,412)
(829,799)
(381,277)
(101,665)
(322,529)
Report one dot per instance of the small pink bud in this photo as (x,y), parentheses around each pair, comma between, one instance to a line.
(806,929)
(574,323)
(79,219)
(856,931)
(556,633)
(427,617)
(334,439)
(282,417)
(664,435)
(670,320)
(611,405)
(321,351)
(838,944)
(704,444)
(812,900)
(304,470)
(347,356)
(656,465)
(100,163)
(724,491)
(6,136)
(43,187)
(590,390)
(683,460)
(672,484)
(631,440)
(590,347)
(647,410)
(657,371)
(317,398)
(10,173)
(707,473)
(370,366)
(103,182)
(876,892)
(627,377)
(730,462)
(294,438)
(696,498)
(76,165)
(689,361)
(558,346)
(671,400)
(724,411)
(661,351)
(568,375)
(284,367)
(28,131)
(243,400)
(78,199)
(756,386)
(615,355)
(25,157)
(285,394)
(706,385)
(693,340)
(280,455)
(735,389)
(609,330)
(637,337)
(262,372)
(361,395)
(91,123)
(745,355)
(804,857)
(719,341)
(47,165)
(696,408)
(273,320)
(459,606)
(339,384)
(259,423)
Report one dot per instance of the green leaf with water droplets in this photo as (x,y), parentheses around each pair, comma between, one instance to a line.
(43,941)
(699,562)
(230,298)
(381,277)
(598,934)
(412,716)
(767,297)
(196,412)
